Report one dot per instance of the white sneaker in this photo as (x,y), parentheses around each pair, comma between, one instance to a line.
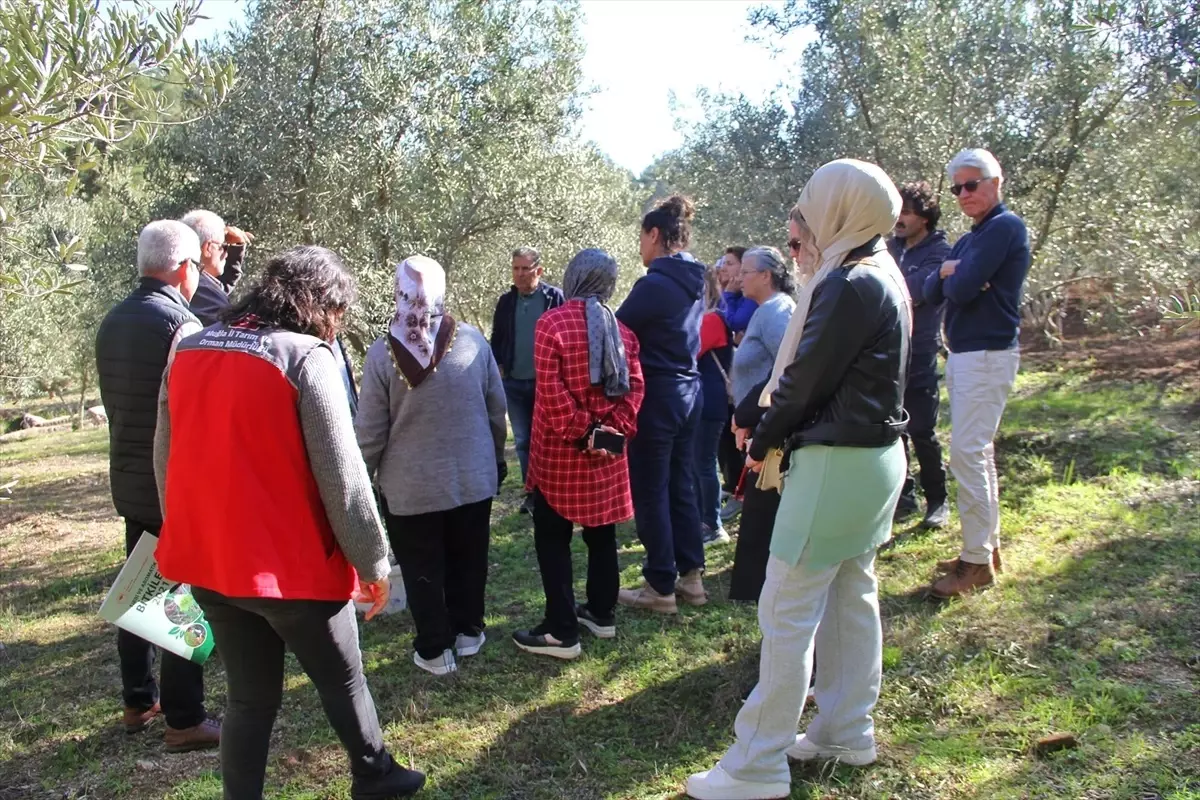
(804,750)
(469,645)
(717,784)
(442,665)
(711,537)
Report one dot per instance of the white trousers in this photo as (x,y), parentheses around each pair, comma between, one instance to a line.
(978,384)
(837,608)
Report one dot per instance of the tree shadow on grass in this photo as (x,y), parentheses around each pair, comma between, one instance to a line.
(571,749)
(79,498)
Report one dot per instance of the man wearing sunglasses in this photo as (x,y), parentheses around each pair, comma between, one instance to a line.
(981,284)
(211,299)
(136,341)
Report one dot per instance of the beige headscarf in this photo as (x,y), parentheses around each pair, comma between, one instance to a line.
(846,203)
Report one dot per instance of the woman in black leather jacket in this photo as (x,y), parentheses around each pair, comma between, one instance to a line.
(832,425)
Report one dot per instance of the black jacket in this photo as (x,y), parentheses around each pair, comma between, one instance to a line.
(210,300)
(504,322)
(846,384)
(132,346)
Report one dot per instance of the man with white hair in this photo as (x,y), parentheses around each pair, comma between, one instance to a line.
(981,284)
(135,342)
(211,298)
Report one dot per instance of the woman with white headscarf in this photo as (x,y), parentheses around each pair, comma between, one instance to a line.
(431,427)
(832,430)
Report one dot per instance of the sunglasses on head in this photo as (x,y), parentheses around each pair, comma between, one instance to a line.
(969,186)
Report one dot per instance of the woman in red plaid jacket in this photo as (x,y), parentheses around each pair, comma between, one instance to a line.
(588,380)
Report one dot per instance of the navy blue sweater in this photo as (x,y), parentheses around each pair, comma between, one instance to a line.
(663,310)
(983,296)
(917,263)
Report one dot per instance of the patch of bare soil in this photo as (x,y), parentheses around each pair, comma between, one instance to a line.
(1167,360)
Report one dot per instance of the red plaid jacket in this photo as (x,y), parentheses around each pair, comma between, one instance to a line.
(586,489)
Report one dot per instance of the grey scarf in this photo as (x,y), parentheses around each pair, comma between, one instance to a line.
(592,277)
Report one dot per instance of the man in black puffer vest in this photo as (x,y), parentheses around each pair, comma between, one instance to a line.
(133,346)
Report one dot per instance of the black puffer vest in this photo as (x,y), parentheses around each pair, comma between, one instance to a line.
(132,347)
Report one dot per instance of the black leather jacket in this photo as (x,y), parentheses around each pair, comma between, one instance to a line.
(846,385)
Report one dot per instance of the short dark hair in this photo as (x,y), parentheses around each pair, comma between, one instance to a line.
(672,218)
(304,289)
(528,252)
(740,252)
(919,197)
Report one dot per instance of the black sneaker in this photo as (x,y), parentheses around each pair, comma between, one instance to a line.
(937,516)
(399,782)
(542,643)
(527,505)
(601,627)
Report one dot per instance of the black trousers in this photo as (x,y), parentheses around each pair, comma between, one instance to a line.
(552,538)
(182,692)
(443,557)
(252,634)
(753,542)
(922,403)
(730,459)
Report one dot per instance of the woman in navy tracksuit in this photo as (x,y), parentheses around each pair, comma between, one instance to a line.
(664,310)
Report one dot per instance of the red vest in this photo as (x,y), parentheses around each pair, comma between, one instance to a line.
(243,514)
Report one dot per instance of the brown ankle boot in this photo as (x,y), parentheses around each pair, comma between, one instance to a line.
(204,736)
(690,587)
(951,564)
(137,720)
(965,578)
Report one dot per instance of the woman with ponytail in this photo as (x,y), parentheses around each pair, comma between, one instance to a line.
(664,310)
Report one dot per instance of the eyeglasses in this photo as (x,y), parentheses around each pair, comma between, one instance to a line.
(526,269)
(794,245)
(191,262)
(968,186)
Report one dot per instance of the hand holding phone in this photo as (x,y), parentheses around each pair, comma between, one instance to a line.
(606,441)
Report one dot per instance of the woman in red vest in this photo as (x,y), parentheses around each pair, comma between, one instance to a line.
(268,514)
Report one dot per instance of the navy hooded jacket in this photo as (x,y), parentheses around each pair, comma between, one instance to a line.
(663,310)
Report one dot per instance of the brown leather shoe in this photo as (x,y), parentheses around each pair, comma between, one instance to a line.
(204,736)
(965,578)
(951,564)
(137,720)
(645,597)
(690,588)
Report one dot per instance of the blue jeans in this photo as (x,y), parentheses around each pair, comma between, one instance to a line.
(708,479)
(519,394)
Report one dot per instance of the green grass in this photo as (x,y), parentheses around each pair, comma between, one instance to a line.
(1092,629)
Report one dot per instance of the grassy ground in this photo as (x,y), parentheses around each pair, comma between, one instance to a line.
(1093,630)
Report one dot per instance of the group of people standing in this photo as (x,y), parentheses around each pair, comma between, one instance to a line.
(795,381)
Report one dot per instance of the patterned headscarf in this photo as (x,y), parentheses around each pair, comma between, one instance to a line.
(592,277)
(420,305)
